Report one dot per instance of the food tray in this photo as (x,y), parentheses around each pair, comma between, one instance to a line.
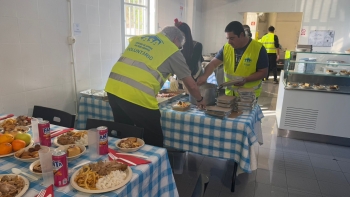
(218,109)
(88,93)
(230,105)
(162,101)
(101,95)
(226,99)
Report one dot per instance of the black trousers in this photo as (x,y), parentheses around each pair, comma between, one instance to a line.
(128,113)
(272,65)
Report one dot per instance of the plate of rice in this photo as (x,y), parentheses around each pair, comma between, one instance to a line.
(101,177)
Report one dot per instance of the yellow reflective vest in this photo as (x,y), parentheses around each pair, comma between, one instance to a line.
(135,77)
(268,41)
(245,68)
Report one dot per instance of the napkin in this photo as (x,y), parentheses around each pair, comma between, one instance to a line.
(49,192)
(6,116)
(60,132)
(136,160)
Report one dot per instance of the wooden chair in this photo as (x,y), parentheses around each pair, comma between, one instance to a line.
(115,129)
(54,116)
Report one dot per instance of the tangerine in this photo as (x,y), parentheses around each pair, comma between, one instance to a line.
(6,138)
(5,148)
(18,145)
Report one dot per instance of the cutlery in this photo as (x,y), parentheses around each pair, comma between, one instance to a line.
(18,171)
(136,155)
(116,158)
(41,193)
(7,116)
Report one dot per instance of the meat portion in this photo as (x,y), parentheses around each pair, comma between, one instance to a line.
(104,168)
(11,186)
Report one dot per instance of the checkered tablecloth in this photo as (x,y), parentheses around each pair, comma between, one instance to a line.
(154,179)
(194,131)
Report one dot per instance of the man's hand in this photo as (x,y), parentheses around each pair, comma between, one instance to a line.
(201,105)
(278,57)
(201,80)
(241,83)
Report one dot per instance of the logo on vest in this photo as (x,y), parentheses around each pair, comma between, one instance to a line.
(155,40)
(247,61)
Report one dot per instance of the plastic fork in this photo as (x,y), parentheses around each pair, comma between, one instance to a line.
(116,158)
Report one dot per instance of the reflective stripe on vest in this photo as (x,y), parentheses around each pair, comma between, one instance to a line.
(135,77)
(142,66)
(269,43)
(245,68)
(132,83)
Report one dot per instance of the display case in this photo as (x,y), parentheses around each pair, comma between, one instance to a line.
(318,71)
(313,96)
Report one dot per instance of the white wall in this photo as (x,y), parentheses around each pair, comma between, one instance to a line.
(168,10)
(99,45)
(217,14)
(35,57)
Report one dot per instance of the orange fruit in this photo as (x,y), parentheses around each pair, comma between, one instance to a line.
(5,148)
(18,145)
(6,138)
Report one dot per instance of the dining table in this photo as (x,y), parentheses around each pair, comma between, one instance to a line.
(152,179)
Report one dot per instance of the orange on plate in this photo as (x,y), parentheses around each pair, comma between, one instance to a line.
(18,145)
(6,138)
(5,148)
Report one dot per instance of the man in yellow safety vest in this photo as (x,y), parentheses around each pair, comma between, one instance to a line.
(241,57)
(271,44)
(139,74)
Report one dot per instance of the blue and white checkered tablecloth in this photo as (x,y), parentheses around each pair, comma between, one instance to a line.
(153,179)
(194,131)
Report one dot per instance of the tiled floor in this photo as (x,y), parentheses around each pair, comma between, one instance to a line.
(286,167)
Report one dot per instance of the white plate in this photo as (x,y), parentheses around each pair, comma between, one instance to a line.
(26,184)
(77,187)
(29,145)
(331,73)
(65,147)
(26,149)
(55,141)
(129,150)
(32,166)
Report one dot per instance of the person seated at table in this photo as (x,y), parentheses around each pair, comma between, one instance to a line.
(192,50)
(241,57)
(137,77)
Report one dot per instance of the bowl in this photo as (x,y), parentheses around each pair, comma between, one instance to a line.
(32,166)
(128,150)
(65,147)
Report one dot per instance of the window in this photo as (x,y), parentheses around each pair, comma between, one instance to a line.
(137,14)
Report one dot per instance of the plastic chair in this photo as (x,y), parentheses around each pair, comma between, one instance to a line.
(201,186)
(54,116)
(115,129)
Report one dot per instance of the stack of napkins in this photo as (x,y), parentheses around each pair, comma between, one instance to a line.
(247,99)
(225,101)
(220,112)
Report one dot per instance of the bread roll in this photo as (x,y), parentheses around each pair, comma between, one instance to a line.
(73,151)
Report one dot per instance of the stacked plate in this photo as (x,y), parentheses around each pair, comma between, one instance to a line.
(225,101)
(219,112)
(247,99)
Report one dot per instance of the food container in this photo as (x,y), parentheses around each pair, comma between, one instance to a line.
(66,147)
(88,93)
(209,93)
(185,107)
(101,95)
(129,150)
(224,99)
(230,105)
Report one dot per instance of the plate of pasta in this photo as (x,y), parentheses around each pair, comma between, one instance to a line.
(101,177)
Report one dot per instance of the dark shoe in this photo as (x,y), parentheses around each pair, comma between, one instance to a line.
(275,82)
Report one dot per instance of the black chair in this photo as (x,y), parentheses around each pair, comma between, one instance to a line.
(115,129)
(201,186)
(54,116)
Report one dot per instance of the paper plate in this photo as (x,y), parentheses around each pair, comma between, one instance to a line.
(77,187)
(26,183)
(55,141)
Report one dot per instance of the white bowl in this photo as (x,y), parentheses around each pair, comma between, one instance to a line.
(128,150)
(32,166)
(65,147)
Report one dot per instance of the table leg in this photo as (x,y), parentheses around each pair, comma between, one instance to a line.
(233,184)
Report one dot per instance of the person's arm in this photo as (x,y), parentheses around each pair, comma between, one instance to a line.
(277,45)
(261,68)
(209,69)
